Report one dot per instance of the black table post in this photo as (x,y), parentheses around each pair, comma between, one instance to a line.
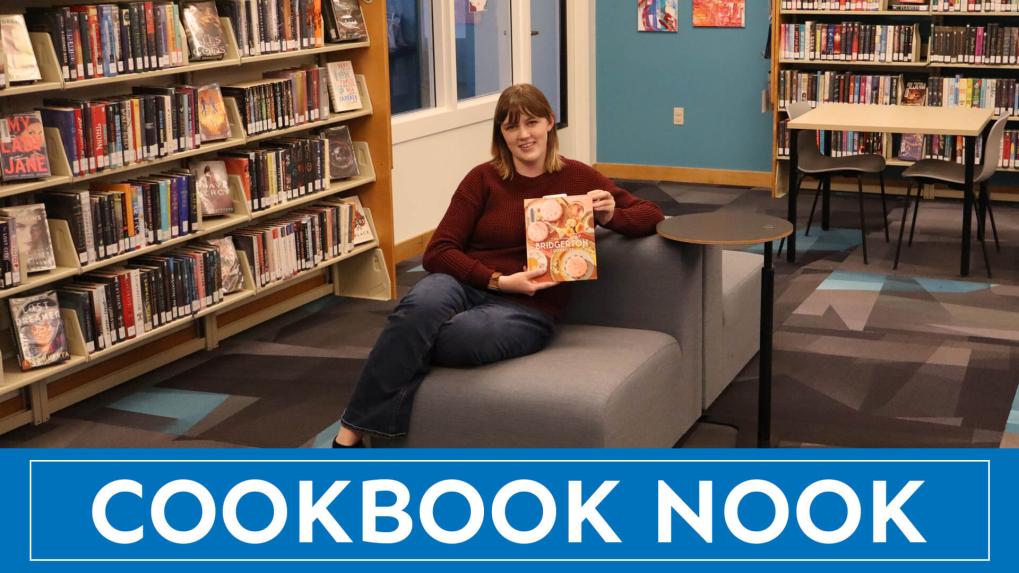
(764,371)
(792,192)
(967,205)
(826,189)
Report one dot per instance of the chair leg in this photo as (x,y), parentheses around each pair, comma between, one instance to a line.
(988,213)
(994,227)
(983,244)
(884,205)
(980,201)
(863,223)
(916,209)
(902,225)
(780,245)
(813,207)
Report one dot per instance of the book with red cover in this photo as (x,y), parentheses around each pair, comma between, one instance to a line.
(23,147)
(559,231)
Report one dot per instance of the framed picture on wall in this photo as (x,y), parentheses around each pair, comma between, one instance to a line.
(657,15)
(719,14)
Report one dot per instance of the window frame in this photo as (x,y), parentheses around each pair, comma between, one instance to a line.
(450,113)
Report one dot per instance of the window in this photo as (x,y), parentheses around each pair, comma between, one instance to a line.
(484,63)
(449,60)
(411,65)
(548,53)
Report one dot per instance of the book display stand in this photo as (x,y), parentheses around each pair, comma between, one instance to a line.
(361,271)
(856,50)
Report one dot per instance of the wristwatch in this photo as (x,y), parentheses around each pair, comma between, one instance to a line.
(493,282)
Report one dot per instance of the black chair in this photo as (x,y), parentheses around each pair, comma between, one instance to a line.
(953,175)
(812,163)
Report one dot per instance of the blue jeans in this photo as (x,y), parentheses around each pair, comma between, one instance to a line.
(444,322)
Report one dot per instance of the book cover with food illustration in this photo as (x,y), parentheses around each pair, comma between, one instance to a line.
(560,237)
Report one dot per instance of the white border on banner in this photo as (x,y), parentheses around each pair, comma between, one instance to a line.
(987,463)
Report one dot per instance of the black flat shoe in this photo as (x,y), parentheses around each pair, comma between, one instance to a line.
(339,445)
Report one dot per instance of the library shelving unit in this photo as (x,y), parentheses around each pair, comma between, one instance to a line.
(365,271)
(919,66)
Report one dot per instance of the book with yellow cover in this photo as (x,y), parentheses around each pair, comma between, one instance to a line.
(560,237)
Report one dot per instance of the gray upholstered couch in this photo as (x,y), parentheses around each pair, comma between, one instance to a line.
(623,370)
(732,316)
(627,366)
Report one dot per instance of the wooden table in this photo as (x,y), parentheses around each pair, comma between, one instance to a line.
(968,123)
(734,229)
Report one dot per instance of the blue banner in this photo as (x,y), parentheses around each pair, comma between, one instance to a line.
(443,510)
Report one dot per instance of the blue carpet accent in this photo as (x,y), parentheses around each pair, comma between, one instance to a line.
(324,439)
(832,240)
(901,284)
(186,407)
(951,286)
(1012,424)
(841,280)
(417,269)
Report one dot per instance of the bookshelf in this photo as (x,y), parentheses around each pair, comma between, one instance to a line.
(365,271)
(920,67)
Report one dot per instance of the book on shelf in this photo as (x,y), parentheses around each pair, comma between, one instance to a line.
(212,120)
(360,230)
(213,190)
(276,26)
(911,144)
(111,218)
(10,263)
(1000,94)
(206,40)
(342,161)
(915,93)
(849,42)
(909,5)
(280,248)
(837,87)
(974,6)
(23,153)
(35,248)
(101,134)
(38,330)
(278,170)
(230,266)
(991,43)
(348,21)
(343,87)
(119,303)
(857,5)
(106,40)
(305,92)
(20,65)
(560,237)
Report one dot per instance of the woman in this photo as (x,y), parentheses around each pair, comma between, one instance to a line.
(477,306)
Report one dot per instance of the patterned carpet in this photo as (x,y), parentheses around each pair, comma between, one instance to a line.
(864,356)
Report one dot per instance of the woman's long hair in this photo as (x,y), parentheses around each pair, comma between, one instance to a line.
(527,100)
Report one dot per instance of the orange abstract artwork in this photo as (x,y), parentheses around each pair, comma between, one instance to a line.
(719,13)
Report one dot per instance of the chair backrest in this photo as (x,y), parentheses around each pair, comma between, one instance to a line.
(806,140)
(797,108)
(992,150)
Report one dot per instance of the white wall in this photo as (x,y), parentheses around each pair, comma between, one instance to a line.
(433,150)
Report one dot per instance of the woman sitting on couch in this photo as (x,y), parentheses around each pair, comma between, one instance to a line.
(477,306)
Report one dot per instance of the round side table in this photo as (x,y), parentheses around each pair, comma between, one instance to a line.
(739,229)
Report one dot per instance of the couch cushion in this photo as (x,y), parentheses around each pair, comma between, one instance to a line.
(593,386)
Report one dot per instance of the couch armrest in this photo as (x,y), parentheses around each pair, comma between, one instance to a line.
(647,283)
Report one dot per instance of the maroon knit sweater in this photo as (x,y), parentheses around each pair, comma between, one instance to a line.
(483,229)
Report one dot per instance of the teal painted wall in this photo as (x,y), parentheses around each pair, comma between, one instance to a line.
(716,74)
